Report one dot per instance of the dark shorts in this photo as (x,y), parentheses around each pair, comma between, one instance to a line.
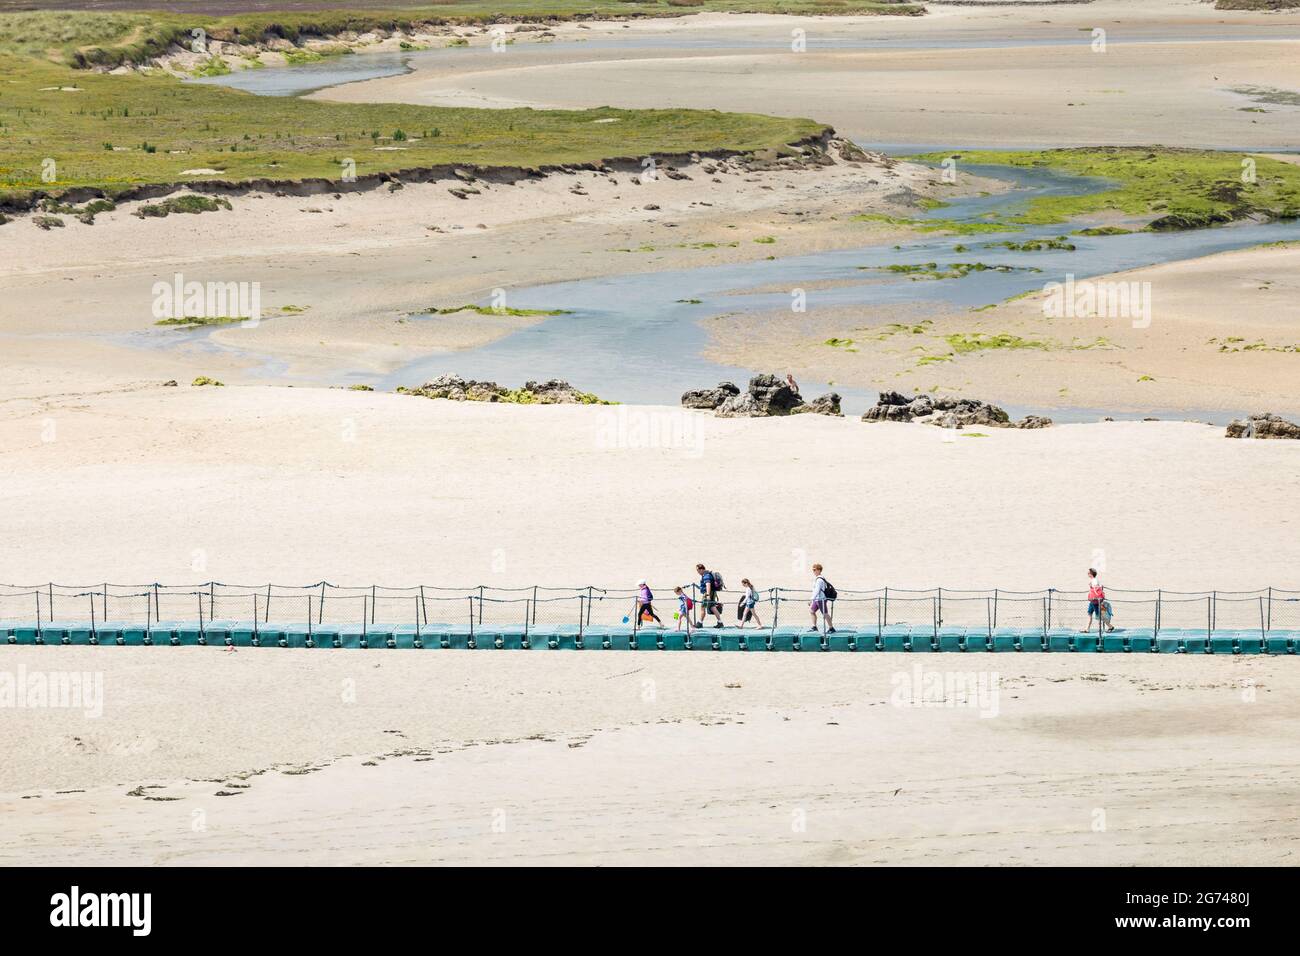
(1092,608)
(818,605)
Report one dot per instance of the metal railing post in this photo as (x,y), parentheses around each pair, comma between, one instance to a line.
(105,600)
(201,631)
(372,604)
(309,614)
(1270,607)
(321,619)
(886,607)
(1158,597)
(1262,629)
(480,604)
(534,603)
(940,618)
(776,606)
(212,600)
(255,632)
(995,607)
(1214,609)
(92,617)
(51,601)
(268,603)
(422,607)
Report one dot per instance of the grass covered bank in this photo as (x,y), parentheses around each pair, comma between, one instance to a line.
(115,32)
(115,132)
(1175,188)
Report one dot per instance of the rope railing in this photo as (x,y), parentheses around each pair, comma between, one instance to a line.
(324,603)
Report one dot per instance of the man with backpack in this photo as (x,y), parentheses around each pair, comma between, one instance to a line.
(823,594)
(710,585)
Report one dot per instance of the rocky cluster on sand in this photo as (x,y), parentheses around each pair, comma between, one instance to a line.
(552,392)
(1263,425)
(766,397)
(945,412)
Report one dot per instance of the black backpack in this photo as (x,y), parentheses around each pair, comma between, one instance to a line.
(829,590)
(717,581)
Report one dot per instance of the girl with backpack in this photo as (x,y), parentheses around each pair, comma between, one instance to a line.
(748,601)
(645,612)
(823,594)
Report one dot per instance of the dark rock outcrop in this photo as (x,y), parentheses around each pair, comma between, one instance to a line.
(710,398)
(1263,425)
(945,412)
(766,397)
(459,390)
(828,404)
(556,391)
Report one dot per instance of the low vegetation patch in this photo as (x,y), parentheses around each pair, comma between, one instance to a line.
(93,38)
(1175,188)
(191,205)
(120,131)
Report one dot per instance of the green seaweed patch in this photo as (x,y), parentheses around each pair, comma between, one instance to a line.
(966,434)
(837,343)
(1103,231)
(690,301)
(204,380)
(955,270)
(963,343)
(766,240)
(1034,245)
(958,227)
(523,396)
(489,310)
(1236,343)
(200,321)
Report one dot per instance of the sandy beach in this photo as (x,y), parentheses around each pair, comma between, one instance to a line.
(285,474)
(485,758)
